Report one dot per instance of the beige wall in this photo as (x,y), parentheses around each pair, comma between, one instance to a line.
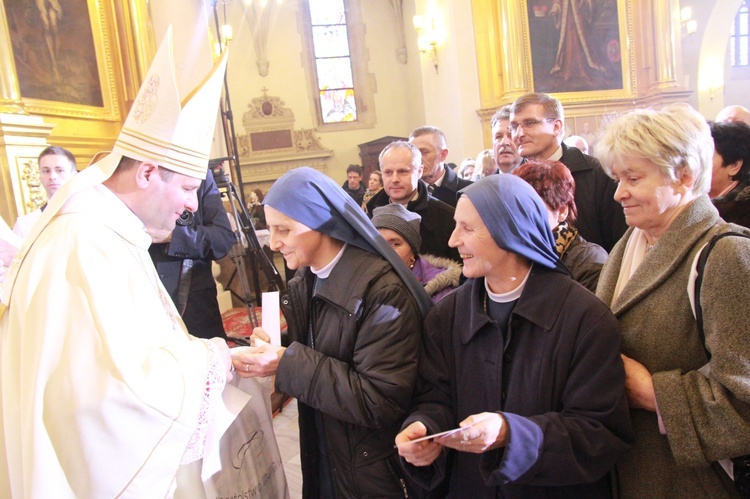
(412,94)
(706,58)
(406,95)
(451,97)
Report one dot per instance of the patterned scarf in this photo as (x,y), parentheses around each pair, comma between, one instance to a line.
(564,235)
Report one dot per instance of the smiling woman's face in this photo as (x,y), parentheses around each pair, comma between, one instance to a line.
(298,243)
(480,253)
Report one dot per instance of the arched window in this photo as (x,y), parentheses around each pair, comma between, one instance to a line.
(333,63)
(336,64)
(739,38)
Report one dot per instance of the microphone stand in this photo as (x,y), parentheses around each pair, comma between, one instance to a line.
(247,245)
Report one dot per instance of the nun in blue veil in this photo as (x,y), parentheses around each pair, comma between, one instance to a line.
(354,313)
(521,358)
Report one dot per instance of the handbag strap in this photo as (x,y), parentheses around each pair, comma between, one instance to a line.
(700,266)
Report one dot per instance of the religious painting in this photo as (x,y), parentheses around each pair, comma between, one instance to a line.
(587,127)
(63,65)
(53,49)
(576,45)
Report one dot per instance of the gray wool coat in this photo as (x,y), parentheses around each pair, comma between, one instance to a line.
(706,418)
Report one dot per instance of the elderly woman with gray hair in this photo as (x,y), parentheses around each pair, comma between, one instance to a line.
(689,392)
(353,311)
(400,228)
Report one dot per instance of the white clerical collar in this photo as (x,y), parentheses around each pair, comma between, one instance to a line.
(324,272)
(557,154)
(510,295)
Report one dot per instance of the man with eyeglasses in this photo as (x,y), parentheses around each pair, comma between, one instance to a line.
(537,122)
(401,166)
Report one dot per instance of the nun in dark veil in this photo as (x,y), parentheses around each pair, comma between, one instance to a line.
(354,313)
(524,360)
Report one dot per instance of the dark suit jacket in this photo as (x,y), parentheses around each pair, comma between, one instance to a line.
(437,221)
(208,238)
(446,192)
(600,218)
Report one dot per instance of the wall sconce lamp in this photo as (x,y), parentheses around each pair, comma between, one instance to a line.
(689,25)
(715,88)
(225,36)
(428,37)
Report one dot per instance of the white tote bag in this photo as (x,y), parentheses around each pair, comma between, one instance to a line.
(251,464)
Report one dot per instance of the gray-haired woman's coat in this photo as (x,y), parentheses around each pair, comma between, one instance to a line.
(706,418)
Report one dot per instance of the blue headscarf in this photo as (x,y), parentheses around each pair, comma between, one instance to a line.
(516,218)
(311,198)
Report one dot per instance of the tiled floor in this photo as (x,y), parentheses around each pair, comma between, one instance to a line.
(286,427)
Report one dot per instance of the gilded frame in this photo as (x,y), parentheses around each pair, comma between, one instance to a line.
(103,28)
(505,60)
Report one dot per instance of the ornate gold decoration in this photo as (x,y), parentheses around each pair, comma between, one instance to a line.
(10,94)
(104,33)
(505,61)
(33,182)
(23,138)
(665,47)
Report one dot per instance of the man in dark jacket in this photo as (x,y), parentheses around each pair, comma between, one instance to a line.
(184,256)
(504,148)
(538,125)
(353,185)
(354,319)
(401,166)
(442,181)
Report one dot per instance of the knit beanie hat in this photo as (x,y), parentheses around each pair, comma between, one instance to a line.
(397,218)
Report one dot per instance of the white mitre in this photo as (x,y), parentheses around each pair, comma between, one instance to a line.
(176,135)
(160,128)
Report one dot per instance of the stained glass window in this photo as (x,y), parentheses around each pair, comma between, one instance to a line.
(333,63)
(739,37)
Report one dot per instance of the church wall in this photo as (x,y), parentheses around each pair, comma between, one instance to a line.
(412,94)
(397,99)
(451,96)
(408,94)
(706,62)
(405,95)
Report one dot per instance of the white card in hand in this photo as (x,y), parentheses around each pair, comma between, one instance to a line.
(270,318)
(429,437)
